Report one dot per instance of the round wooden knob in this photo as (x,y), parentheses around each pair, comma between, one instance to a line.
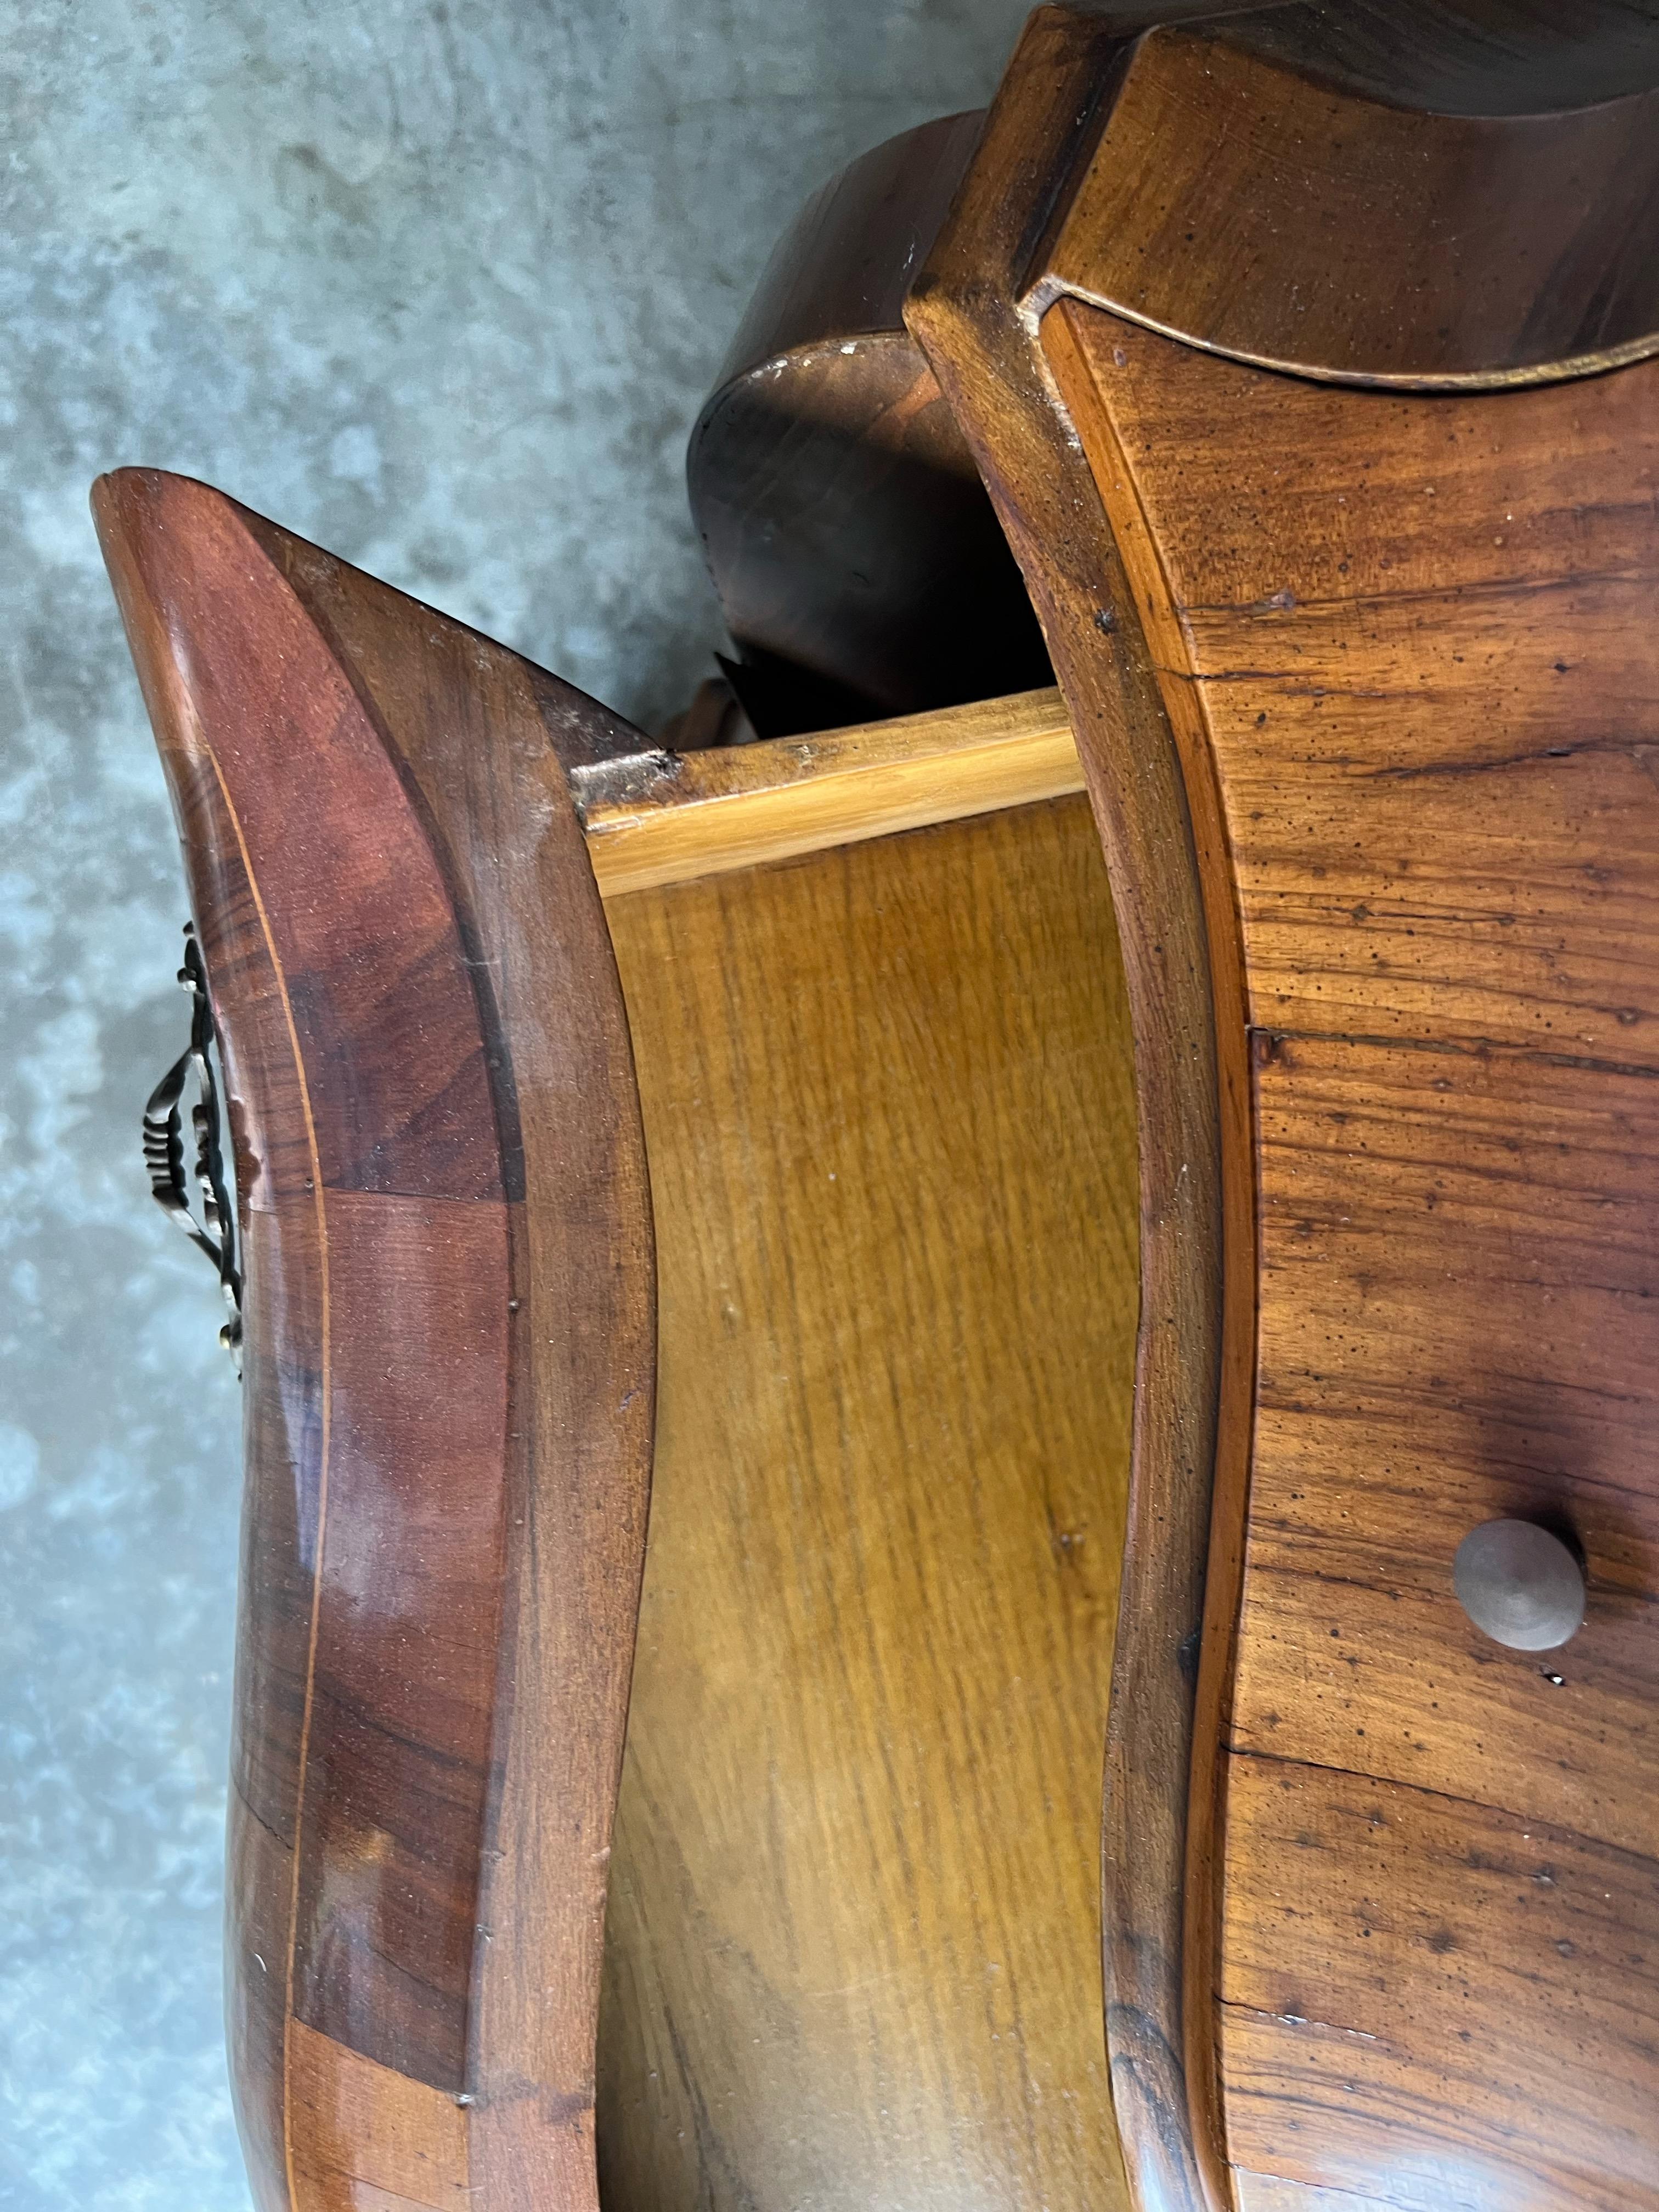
(1519,1584)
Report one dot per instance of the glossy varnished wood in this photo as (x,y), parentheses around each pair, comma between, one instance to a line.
(859,565)
(1363,688)
(1347,665)
(1414,638)
(853,1952)
(450,1368)
(1232,200)
(1181,962)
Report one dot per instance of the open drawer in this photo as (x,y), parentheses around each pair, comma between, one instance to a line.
(486,969)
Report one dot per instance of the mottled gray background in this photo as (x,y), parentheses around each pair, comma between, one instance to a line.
(439,283)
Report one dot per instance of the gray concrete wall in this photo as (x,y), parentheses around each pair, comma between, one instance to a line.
(439,283)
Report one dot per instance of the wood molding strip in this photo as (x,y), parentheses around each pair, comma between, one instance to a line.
(969,311)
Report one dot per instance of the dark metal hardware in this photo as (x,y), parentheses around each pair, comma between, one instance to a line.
(215,1232)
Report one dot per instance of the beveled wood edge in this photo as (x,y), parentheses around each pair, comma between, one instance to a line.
(970,311)
(1229,1494)
(517,2132)
(668,817)
(1044,284)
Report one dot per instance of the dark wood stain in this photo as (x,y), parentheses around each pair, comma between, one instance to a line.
(449,1374)
(859,564)
(1364,684)
(1236,201)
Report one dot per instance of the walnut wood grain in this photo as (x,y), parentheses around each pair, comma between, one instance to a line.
(1363,684)
(1264,2193)
(1235,202)
(450,1357)
(858,563)
(852,1954)
(1467,57)
(1414,637)
(1181,962)
(1392,1420)
(1455,1980)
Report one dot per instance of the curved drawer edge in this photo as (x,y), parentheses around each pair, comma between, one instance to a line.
(450,1318)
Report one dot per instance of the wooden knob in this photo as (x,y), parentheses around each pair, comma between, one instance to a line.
(1519,1584)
